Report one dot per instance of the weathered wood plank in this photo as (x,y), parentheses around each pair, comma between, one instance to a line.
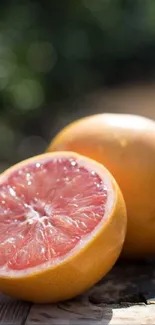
(13,312)
(134,315)
(124,296)
(88,315)
(75,312)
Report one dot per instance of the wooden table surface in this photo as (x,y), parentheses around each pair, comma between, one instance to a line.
(125,296)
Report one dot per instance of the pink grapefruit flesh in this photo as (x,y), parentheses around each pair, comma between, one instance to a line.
(62,226)
(46,209)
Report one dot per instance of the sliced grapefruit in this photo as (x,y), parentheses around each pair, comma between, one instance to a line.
(62,226)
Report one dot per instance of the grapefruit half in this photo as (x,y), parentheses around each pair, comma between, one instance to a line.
(62,226)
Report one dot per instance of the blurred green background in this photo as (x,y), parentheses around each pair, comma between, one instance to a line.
(54,53)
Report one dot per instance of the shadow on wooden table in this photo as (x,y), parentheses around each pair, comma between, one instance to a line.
(128,283)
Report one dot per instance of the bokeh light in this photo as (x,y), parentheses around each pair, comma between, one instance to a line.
(27,94)
(68,59)
(41,56)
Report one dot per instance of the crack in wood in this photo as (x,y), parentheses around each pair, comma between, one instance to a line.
(26,315)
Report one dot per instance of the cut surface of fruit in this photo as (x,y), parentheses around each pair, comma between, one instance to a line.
(46,209)
(52,210)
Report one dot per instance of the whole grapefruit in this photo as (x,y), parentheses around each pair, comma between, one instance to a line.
(62,226)
(124,144)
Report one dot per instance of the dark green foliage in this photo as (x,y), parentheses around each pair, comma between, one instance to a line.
(53,51)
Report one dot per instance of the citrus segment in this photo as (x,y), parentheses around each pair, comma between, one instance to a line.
(52,208)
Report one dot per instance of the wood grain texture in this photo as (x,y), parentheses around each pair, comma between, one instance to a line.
(136,315)
(125,296)
(86,315)
(13,312)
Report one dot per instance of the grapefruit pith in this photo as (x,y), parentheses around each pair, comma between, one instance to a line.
(125,145)
(63,223)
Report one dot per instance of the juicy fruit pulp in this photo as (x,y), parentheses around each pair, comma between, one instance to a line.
(63,225)
(45,211)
